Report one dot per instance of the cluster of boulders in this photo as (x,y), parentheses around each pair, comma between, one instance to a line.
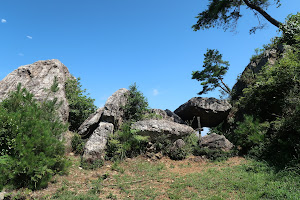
(185,120)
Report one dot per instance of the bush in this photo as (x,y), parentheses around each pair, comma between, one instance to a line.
(125,143)
(178,154)
(213,154)
(30,149)
(136,106)
(77,144)
(164,144)
(80,105)
(88,164)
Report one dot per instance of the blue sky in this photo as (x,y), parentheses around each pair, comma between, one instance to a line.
(111,44)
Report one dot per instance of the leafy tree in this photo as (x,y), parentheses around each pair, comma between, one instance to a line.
(214,70)
(80,105)
(30,147)
(226,13)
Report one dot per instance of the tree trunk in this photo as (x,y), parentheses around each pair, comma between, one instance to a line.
(263,13)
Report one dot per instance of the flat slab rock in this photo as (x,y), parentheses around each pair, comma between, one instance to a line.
(211,111)
(215,141)
(155,128)
(36,78)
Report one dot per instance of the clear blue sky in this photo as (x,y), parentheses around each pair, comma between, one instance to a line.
(111,44)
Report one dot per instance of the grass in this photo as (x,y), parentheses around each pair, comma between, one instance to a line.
(139,178)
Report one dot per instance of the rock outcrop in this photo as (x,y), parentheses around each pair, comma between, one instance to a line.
(37,78)
(113,112)
(211,111)
(270,56)
(95,147)
(100,124)
(216,142)
(154,128)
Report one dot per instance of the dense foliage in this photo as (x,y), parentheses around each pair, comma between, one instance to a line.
(136,106)
(265,120)
(80,105)
(30,147)
(125,143)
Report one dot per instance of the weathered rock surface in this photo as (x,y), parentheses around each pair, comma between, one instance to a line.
(211,111)
(215,141)
(95,147)
(155,128)
(166,115)
(90,124)
(269,56)
(36,78)
(102,123)
(113,112)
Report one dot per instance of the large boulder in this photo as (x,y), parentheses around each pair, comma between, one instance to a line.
(215,142)
(95,147)
(37,78)
(154,128)
(166,115)
(211,111)
(113,108)
(90,124)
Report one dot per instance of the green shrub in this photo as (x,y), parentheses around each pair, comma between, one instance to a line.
(213,154)
(162,144)
(125,143)
(77,144)
(30,149)
(136,106)
(80,105)
(249,134)
(178,154)
(89,164)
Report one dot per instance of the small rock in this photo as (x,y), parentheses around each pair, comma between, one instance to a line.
(159,155)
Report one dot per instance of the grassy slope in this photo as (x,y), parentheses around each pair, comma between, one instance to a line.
(192,178)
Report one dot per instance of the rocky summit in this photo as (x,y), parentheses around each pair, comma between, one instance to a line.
(37,78)
(211,111)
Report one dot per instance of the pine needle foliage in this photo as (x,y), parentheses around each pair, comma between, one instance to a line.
(81,106)
(30,148)
(136,106)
